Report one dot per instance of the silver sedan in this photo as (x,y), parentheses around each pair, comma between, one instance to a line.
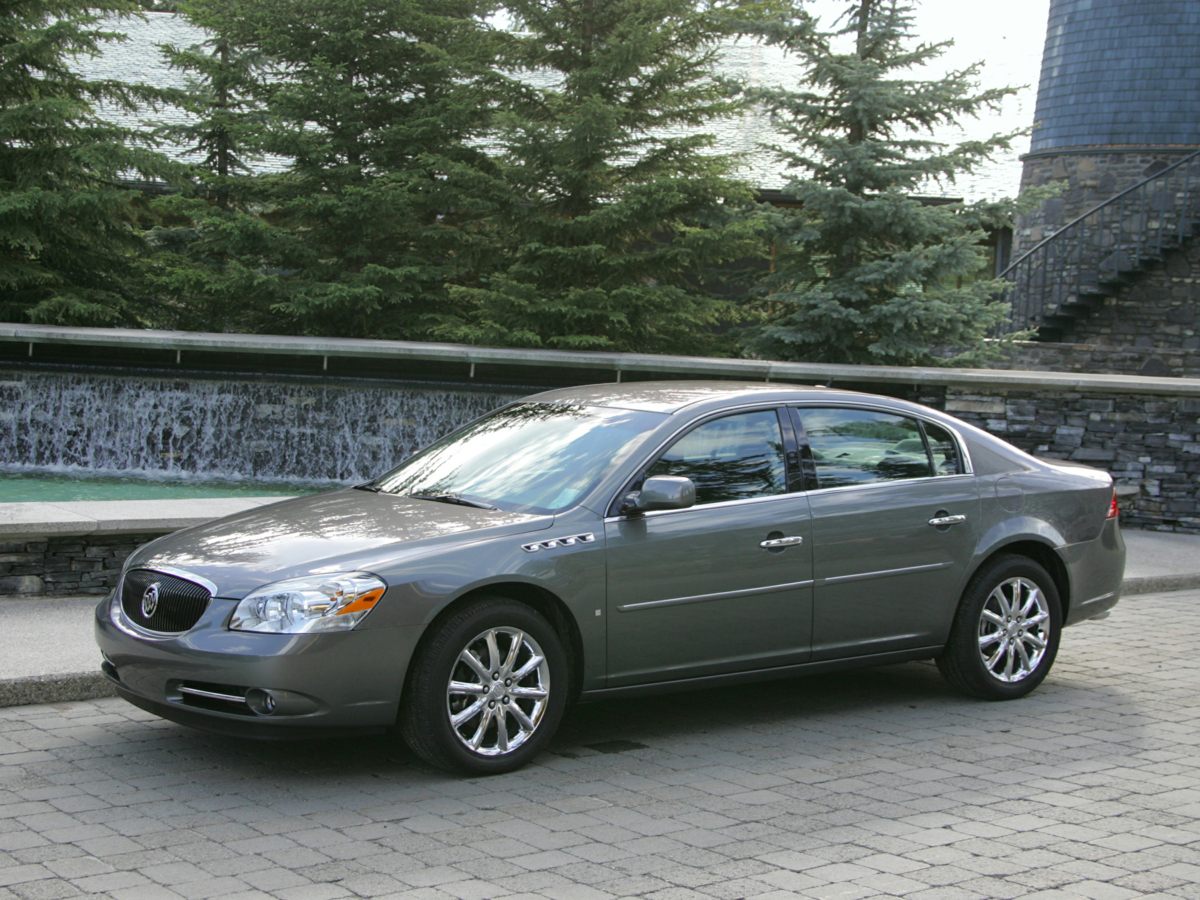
(616,539)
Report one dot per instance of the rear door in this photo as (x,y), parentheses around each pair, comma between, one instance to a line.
(895,524)
(725,585)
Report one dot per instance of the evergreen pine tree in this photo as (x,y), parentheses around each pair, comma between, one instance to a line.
(377,106)
(208,268)
(69,249)
(867,271)
(618,214)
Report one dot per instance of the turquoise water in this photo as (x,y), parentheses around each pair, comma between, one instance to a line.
(58,488)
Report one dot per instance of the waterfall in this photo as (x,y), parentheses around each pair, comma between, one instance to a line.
(167,426)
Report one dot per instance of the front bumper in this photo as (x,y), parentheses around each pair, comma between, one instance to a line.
(257,685)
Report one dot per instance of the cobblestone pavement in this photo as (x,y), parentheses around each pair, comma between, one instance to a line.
(871,783)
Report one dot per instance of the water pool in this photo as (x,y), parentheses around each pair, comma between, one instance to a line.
(39,488)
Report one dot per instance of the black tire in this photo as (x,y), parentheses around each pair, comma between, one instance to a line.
(963,663)
(425,714)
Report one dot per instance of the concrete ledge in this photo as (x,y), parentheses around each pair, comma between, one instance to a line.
(94,517)
(54,688)
(1159,584)
(638,364)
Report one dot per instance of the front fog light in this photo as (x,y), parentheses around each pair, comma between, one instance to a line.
(307,605)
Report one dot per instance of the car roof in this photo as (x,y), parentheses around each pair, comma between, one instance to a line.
(672,396)
(701,397)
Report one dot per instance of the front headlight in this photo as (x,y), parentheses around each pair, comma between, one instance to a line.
(306,605)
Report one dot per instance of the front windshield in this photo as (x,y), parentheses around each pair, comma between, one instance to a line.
(529,457)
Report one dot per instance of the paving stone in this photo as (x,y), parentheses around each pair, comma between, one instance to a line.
(850,785)
(18,874)
(46,889)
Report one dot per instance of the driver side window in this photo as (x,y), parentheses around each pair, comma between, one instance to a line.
(732,458)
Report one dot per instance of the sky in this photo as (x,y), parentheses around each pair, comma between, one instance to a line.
(1007,38)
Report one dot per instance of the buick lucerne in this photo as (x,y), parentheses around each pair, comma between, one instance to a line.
(603,540)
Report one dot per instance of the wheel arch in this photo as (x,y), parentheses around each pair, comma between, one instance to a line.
(1041,552)
(546,603)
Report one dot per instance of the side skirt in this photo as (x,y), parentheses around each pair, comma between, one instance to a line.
(809,668)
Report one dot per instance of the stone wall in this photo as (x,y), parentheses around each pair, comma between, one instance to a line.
(1156,311)
(1150,444)
(1098,357)
(83,564)
(1149,321)
(1087,179)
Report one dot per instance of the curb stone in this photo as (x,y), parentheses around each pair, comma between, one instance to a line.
(54,688)
(1159,584)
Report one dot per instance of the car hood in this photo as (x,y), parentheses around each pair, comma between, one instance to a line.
(332,532)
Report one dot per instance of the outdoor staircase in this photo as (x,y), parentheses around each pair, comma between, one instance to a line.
(1068,274)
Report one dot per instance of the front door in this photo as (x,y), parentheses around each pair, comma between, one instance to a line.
(725,585)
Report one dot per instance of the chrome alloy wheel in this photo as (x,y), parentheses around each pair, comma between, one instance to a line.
(498,691)
(1014,629)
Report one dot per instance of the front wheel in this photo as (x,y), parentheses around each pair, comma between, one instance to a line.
(1005,634)
(487,690)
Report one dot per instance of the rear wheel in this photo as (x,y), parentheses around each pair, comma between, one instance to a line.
(487,690)
(1005,634)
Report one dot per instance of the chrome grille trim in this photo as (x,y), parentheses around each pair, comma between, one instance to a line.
(212,695)
(181,601)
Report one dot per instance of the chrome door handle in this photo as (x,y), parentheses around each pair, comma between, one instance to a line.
(772,543)
(938,521)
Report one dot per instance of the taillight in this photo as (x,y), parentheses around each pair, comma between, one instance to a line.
(1113,510)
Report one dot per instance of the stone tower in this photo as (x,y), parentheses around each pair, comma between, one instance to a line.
(1118,99)
(1118,103)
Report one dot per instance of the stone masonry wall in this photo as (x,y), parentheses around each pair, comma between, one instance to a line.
(84,564)
(1150,444)
(1087,180)
(1155,311)
(1150,324)
(1102,358)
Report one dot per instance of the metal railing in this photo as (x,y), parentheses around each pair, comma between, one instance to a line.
(1095,249)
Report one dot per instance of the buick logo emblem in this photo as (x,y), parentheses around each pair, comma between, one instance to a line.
(150,600)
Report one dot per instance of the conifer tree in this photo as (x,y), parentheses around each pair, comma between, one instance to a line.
(209,264)
(618,212)
(376,107)
(69,249)
(867,271)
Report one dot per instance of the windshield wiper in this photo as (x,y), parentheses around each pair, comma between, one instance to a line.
(446,497)
(374,488)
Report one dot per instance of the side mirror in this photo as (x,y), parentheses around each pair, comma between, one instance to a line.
(660,492)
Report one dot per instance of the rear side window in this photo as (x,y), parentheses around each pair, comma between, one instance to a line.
(946,458)
(862,446)
(732,458)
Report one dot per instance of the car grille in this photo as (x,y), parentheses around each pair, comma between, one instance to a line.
(180,605)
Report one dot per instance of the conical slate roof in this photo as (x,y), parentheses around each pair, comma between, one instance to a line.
(1119,72)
